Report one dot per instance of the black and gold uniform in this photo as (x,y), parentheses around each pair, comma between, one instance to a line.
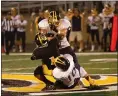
(45,51)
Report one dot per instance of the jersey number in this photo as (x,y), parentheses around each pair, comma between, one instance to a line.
(73,74)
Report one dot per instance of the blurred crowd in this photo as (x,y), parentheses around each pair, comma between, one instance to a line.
(91,23)
(13,31)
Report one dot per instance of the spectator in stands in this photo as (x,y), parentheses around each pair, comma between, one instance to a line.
(85,27)
(14,17)
(67,15)
(46,14)
(77,30)
(9,33)
(32,24)
(21,33)
(94,22)
(106,15)
(38,19)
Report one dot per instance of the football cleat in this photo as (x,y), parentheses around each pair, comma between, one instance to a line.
(93,85)
(49,87)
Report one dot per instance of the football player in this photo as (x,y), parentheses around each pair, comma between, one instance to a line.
(65,47)
(66,73)
(46,48)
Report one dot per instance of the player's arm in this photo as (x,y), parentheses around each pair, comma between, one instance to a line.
(39,53)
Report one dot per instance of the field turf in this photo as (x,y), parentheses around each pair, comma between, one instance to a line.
(93,64)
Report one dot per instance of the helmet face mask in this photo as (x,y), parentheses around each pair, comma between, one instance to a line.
(41,40)
(43,31)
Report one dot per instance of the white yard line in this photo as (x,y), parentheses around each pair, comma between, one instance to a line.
(95,62)
(18,69)
(15,60)
(111,88)
(81,54)
(103,59)
(32,73)
(101,68)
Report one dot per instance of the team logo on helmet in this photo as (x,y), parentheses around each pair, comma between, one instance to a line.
(61,62)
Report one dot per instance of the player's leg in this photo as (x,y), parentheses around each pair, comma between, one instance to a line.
(110,35)
(2,42)
(80,39)
(38,73)
(85,75)
(18,43)
(105,40)
(11,41)
(92,39)
(23,41)
(7,42)
(14,40)
(71,39)
(98,40)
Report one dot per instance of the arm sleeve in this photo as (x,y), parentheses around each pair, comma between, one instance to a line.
(57,73)
(47,52)
(40,53)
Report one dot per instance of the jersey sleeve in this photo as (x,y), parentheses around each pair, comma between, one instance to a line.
(58,74)
(41,53)
(47,52)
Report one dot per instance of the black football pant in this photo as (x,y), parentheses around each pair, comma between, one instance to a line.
(93,34)
(68,34)
(39,72)
(22,36)
(9,41)
(105,35)
(2,38)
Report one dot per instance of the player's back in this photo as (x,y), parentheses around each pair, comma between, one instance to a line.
(67,77)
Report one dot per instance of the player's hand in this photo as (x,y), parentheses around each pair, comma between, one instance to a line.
(33,57)
(95,87)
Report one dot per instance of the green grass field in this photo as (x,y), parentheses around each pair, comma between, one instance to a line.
(91,63)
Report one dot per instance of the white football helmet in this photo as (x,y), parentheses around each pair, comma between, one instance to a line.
(64,24)
(43,24)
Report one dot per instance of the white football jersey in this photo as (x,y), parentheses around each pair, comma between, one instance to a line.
(93,20)
(106,19)
(64,24)
(17,17)
(23,23)
(67,77)
(64,43)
